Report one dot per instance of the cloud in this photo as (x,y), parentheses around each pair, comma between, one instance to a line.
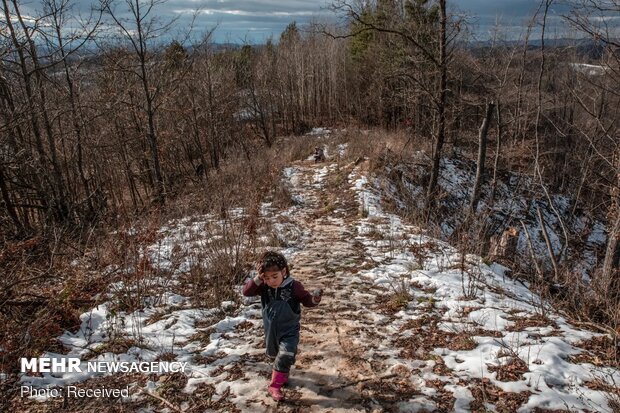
(510,16)
(251,20)
(256,20)
(250,6)
(236,20)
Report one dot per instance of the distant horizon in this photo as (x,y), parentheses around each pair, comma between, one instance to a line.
(257,21)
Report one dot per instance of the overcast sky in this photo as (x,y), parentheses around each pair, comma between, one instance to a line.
(254,21)
(512,16)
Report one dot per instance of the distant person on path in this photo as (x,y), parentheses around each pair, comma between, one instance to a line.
(281,299)
(319,154)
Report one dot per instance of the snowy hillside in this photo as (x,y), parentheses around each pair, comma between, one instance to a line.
(516,202)
(407,323)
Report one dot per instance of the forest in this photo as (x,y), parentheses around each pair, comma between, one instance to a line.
(107,132)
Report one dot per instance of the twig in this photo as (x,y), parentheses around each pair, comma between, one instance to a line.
(554,261)
(161,399)
(342,386)
(529,244)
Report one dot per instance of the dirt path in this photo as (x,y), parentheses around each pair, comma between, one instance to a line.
(345,341)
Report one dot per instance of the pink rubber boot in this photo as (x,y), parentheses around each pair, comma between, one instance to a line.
(277,381)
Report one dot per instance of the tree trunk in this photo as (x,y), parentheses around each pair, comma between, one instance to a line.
(554,261)
(77,129)
(27,88)
(61,207)
(150,109)
(612,245)
(614,215)
(441,106)
(213,141)
(8,205)
(498,147)
(482,153)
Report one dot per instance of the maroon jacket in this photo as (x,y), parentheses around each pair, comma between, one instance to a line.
(290,290)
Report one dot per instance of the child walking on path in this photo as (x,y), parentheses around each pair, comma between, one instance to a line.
(281,297)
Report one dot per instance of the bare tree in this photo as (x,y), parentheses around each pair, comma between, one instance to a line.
(435,52)
(63,45)
(30,70)
(591,18)
(139,30)
(482,151)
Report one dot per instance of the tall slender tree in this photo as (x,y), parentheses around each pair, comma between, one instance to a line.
(139,30)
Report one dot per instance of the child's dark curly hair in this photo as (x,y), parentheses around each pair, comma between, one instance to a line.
(271,259)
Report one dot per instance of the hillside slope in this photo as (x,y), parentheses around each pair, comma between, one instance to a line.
(407,324)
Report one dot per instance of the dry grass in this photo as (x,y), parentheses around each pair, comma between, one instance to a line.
(600,351)
(484,392)
(117,345)
(50,280)
(601,385)
(427,336)
(511,370)
(443,398)
(171,387)
(41,294)
(387,392)
(375,143)
(395,302)
(521,323)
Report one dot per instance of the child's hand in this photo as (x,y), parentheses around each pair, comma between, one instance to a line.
(317,295)
(259,272)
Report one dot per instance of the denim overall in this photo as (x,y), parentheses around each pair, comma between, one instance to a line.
(281,316)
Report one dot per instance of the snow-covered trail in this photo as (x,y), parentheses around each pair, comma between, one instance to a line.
(407,324)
